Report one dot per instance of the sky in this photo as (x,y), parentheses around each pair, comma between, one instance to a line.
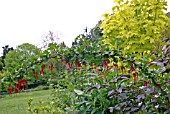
(28,21)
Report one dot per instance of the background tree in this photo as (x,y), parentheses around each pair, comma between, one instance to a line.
(21,57)
(6,49)
(49,38)
(1,64)
(96,32)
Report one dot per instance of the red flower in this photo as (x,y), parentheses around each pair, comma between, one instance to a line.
(35,74)
(16,90)
(84,64)
(70,65)
(51,67)
(10,90)
(145,83)
(157,85)
(24,82)
(135,75)
(78,62)
(131,69)
(116,66)
(154,92)
(122,68)
(106,64)
(41,72)
(18,86)
(43,67)
(20,82)
(79,65)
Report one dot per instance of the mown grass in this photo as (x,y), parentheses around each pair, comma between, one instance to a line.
(18,103)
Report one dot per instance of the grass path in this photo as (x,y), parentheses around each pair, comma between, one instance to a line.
(17,104)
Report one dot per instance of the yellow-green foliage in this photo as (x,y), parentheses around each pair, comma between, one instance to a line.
(3,74)
(137,24)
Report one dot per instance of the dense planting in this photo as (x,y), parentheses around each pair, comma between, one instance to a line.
(121,68)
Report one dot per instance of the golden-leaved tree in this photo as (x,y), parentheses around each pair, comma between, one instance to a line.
(135,25)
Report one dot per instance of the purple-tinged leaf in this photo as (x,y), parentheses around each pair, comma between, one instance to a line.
(165,40)
(126,103)
(125,89)
(117,107)
(110,93)
(94,87)
(123,95)
(166,61)
(141,96)
(119,90)
(127,109)
(165,51)
(104,85)
(158,63)
(111,109)
(123,77)
(97,86)
(149,91)
(167,82)
(133,109)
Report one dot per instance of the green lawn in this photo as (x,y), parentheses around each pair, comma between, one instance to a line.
(17,104)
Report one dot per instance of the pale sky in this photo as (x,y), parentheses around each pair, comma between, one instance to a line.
(24,21)
(28,20)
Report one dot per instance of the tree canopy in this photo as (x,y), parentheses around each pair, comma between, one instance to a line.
(135,25)
(22,56)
